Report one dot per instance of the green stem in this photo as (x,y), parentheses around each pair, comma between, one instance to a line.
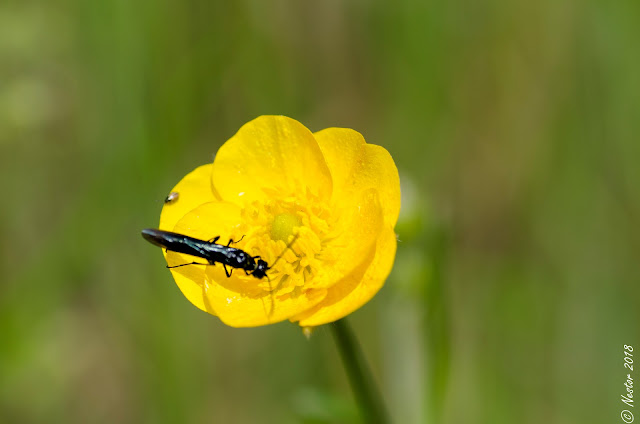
(362,384)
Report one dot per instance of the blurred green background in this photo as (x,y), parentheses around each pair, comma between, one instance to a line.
(515,127)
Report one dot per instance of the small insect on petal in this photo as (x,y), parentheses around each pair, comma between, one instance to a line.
(171,197)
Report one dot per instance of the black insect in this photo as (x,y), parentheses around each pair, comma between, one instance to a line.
(209,250)
(212,252)
(172,197)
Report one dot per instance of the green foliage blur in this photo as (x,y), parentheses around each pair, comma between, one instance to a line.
(515,126)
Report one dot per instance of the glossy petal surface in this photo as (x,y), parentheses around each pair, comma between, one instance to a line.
(357,166)
(270,153)
(204,222)
(356,289)
(193,190)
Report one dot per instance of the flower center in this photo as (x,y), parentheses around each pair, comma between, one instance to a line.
(283,225)
(270,230)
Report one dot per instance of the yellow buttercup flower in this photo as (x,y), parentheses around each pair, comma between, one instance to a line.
(329,196)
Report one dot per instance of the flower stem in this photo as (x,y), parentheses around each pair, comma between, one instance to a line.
(367,396)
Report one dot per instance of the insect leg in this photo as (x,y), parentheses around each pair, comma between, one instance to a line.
(233,242)
(190,263)
(226,271)
(215,239)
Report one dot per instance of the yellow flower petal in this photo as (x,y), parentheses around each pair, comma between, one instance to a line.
(193,190)
(356,289)
(204,222)
(243,309)
(356,166)
(342,149)
(270,153)
(186,277)
(356,235)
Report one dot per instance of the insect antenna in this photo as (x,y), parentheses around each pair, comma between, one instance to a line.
(273,306)
(295,237)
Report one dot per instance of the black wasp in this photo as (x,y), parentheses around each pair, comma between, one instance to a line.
(211,251)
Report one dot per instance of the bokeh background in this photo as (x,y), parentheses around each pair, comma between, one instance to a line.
(515,127)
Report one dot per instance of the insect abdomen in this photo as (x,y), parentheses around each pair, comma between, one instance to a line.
(177,242)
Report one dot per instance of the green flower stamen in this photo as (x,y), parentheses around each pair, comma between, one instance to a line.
(283,225)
